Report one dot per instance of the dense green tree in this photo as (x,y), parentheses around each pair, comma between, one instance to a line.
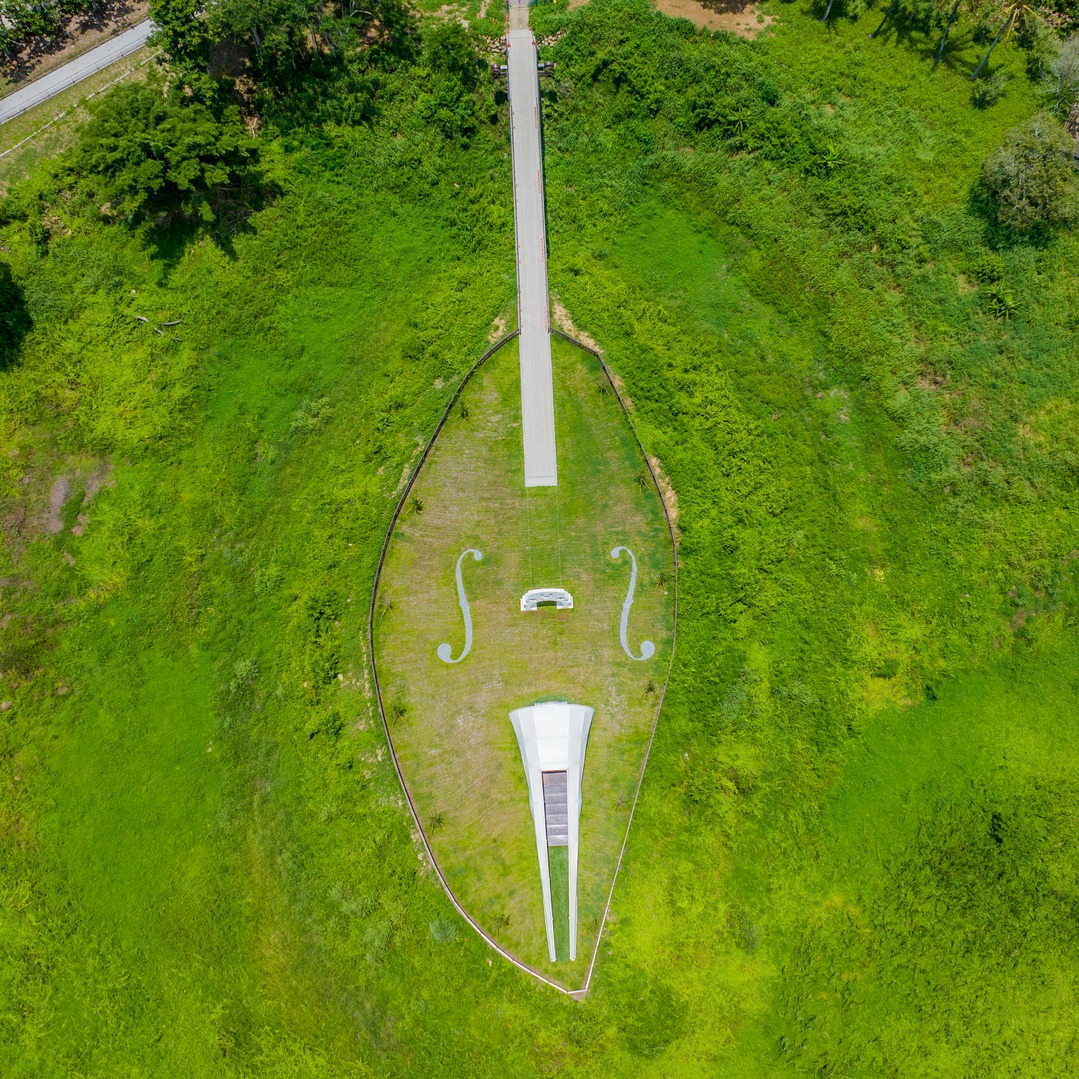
(14,318)
(23,20)
(156,152)
(448,101)
(450,49)
(185,38)
(273,42)
(954,9)
(1032,178)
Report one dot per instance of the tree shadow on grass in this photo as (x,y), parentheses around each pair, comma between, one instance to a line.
(15,321)
(996,235)
(169,236)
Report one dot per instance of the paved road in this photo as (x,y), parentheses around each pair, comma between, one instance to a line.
(537,382)
(82,67)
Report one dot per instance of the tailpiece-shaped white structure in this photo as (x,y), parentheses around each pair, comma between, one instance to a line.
(553,737)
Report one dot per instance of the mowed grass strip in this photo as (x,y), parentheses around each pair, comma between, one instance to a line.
(558,864)
(450,722)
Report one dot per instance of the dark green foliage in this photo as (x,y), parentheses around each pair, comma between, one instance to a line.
(154,153)
(1060,75)
(987,267)
(1032,179)
(989,89)
(449,79)
(279,45)
(451,50)
(15,320)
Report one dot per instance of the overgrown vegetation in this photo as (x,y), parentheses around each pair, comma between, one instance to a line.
(1032,178)
(852,854)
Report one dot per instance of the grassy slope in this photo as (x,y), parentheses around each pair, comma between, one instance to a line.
(832,570)
(852,851)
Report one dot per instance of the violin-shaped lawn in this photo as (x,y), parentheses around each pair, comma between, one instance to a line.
(448,708)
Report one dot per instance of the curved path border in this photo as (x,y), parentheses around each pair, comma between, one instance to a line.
(577,994)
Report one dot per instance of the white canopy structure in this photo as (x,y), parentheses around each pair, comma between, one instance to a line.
(553,737)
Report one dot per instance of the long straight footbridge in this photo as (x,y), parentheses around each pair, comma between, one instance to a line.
(537,382)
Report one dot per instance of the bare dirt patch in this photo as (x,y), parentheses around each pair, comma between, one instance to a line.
(565,324)
(58,496)
(734,16)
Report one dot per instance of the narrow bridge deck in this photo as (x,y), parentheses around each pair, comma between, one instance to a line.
(537,382)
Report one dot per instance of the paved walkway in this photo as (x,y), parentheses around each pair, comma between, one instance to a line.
(82,67)
(537,382)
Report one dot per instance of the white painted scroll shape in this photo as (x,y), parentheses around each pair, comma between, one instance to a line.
(648,649)
(444,650)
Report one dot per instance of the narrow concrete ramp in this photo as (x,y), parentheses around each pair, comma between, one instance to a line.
(537,381)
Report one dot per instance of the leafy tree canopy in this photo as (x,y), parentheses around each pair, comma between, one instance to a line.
(1032,178)
(159,153)
(450,49)
(273,42)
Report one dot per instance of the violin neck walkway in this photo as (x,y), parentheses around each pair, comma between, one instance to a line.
(537,383)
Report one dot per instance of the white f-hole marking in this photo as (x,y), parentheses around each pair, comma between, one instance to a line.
(444,650)
(648,649)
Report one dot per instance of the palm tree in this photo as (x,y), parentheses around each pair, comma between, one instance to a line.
(973,8)
(1013,13)
(953,15)
(890,13)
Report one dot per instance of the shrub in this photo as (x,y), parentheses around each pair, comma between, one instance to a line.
(1061,78)
(987,268)
(14,318)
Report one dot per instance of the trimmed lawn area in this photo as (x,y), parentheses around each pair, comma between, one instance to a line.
(450,722)
(558,863)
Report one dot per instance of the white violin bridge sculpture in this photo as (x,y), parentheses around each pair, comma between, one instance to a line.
(535,598)
(553,737)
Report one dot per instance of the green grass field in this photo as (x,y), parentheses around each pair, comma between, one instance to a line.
(853,851)
(450,722)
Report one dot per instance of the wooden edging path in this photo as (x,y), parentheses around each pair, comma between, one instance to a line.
(577,994)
